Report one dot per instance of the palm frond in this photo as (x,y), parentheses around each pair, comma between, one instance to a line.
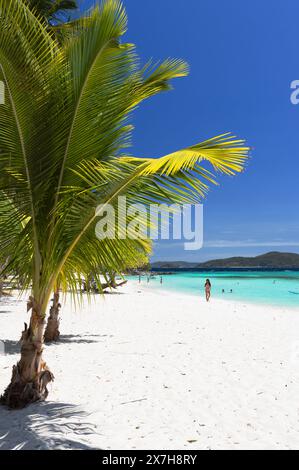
(65,130)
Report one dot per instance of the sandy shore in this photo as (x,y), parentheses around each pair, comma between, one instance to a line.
(151,370)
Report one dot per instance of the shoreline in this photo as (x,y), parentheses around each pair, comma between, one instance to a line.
(200,296)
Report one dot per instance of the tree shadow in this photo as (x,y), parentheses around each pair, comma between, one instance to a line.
(10,347)
(46,426)
(10,301)
(79,339)
(113,293)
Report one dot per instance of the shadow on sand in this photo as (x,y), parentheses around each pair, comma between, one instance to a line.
(46,425)
(14,347)
(10,347)
(113,293)
(79,339)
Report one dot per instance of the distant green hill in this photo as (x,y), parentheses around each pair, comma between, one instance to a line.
(273,259)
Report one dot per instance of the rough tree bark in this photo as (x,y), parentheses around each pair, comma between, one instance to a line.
(30,376)
(52,332)
(113,285)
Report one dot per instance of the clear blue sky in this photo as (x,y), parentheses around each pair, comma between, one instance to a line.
(243,57)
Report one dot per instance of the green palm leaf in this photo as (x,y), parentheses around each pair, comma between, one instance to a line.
(64,134)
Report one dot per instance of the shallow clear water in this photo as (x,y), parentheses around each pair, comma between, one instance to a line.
(278,288)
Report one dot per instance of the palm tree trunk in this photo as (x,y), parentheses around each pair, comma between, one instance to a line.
(30,376)
(52,332)
(112,282)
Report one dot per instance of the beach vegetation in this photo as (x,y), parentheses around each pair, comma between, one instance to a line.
(65,135)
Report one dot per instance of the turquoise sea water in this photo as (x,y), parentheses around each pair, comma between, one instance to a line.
(278,288)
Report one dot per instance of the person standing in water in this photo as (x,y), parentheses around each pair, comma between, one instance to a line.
(208,289)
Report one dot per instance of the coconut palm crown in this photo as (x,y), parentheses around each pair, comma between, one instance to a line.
(65,131)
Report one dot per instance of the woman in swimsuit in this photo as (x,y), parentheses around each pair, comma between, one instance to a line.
(208,289)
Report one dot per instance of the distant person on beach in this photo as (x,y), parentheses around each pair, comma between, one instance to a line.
(161,280)
(148,278)
(139,278)
(223,291)
(208,289)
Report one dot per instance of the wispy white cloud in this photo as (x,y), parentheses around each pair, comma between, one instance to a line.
(242,243)
(170,244)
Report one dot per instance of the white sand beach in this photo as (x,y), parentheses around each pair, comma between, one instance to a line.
(140,369)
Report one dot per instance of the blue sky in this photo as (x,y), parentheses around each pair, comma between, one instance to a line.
(242,57)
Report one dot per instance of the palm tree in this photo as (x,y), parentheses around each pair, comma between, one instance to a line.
(53,10)
(133,256)
(64,134)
